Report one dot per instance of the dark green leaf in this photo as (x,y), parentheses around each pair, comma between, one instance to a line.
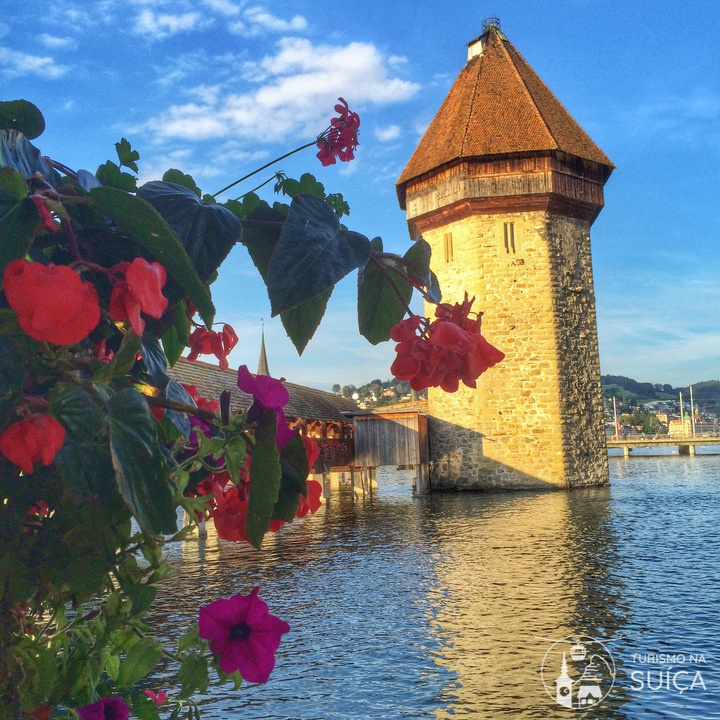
(145,225)
(154,359)
(110,175)
(9,326)
(139,467)
(86,180)
(208,232)
(265,474)
(382,300)
(294,466)
(241,209)
(302,321)
(193,675)
(122,361)
(144,708)
(22,116)
(17,152)
(175,340)
(261,235)
(313,253)
(142,597)
(17,229)
(180,178)
(84,460)
(175,391)
(127,156)
(140,660)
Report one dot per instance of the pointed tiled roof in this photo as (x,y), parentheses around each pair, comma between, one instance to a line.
(498,106)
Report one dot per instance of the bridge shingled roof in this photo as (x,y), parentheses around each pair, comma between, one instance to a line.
(498,106)
(306,403)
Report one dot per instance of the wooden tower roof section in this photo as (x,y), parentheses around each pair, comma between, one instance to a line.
(498,106)
(305,403)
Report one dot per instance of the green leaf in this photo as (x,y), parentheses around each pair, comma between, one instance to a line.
(139,662)
(9,326)
(261,234)
(417,259)
(144,708)
(122,361)
(110,175)
(12,183)
(17,229)
(313,253)
(139,467)
(175,340)
(301,322)
(83,461)
(265,474)
(193,675)
(142,597)
(180,178)
(380,305)
(207,231)
(127,156)
(17,152)
(111,664)
(145,225)
(294,466)
(22,116)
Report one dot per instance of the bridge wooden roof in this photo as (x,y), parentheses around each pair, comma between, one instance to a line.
(498,105)
(305,403)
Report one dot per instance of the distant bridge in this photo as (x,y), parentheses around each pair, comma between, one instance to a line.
(685,444)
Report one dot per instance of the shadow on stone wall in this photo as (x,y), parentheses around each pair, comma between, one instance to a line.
(458,462)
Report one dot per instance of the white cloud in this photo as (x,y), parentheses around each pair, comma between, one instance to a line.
(53,42)
(159,25)
(256,21)
(301,84)
(387,134)
(223,7)
(19,64)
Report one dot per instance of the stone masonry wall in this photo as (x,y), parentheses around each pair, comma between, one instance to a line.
(533,421)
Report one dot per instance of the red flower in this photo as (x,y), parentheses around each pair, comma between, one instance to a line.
(156,697)
(243,635)
(47,222)
(100,352)
(312,501)
(40,713)
(109,708)
(230,511)
(138,289)
(209,342)
(449,350)
(35,438)
(341,138)
(52,303)
(311,449)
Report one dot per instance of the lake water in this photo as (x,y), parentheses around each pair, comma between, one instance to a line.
(462,605)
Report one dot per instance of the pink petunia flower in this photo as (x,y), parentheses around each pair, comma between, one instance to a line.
(243,635)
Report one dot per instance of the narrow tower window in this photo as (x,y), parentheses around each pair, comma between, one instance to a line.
(448,248)
(509,228)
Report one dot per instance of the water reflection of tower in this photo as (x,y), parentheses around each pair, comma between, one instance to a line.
(563,686)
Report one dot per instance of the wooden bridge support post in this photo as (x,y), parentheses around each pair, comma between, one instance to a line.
(626,451)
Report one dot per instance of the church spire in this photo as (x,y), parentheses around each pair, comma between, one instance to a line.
(263,361)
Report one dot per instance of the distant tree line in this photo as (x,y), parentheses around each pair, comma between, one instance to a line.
(378,393)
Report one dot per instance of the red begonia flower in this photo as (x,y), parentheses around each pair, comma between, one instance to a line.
(243,635)
(47,222)
(209,342)
(312,501)
(34,439)
(156,697)
(138,289)
(53,304)
(109,708)
(230,512)
(447,351)
(341,138)
(40,713)
(311,450)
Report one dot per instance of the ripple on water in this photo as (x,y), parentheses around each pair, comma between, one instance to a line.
(444,606)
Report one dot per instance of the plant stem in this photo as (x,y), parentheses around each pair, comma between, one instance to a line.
(264,167)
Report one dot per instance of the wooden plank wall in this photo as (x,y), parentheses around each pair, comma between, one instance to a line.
(390,439)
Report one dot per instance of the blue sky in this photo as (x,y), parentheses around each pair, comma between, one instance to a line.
(218,87)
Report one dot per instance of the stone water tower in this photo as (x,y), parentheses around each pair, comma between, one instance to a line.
(505,185)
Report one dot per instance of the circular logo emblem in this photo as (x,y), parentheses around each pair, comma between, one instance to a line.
(578,672)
